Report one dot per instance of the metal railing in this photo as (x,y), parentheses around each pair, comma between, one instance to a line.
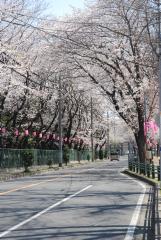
(149,170)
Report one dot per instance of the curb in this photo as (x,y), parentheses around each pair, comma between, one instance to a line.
(140,177)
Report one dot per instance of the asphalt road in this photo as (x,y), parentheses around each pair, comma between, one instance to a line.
(92,201)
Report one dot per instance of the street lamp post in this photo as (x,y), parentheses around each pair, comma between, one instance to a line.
(108,135)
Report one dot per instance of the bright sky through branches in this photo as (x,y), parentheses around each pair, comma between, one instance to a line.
(62,7)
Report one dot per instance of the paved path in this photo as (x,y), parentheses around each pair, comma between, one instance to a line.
(88,202)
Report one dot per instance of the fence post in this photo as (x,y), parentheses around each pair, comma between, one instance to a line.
(137,167)
(144,169)
(148,170)
(133,166)
(158,172)
(141,170)
(153,170)
(130,165)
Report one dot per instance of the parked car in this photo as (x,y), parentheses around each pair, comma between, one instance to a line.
(114,156)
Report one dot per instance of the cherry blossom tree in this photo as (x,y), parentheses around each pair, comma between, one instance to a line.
(109,45)
(109,49)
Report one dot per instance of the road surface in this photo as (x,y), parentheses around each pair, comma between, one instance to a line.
(88,202)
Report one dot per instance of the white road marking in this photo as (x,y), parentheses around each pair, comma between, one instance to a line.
(135,216)
(42,212)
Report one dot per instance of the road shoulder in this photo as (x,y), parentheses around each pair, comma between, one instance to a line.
(149,221)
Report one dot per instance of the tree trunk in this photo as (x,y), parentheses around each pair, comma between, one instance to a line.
(141,145)
(139,137)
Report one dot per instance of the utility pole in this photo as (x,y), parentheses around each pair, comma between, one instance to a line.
(60,123)
(145,122)
(114,129)
(92,130)
(159,46)
(108,135)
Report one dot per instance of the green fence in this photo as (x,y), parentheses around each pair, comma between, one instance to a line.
(146,169)
(75,155)
(14,158)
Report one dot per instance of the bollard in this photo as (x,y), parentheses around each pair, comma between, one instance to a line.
(158,172)
(153,171)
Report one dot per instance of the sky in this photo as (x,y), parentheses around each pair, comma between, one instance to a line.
(62,7)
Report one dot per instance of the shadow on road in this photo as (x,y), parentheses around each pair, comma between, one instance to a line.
(111,232)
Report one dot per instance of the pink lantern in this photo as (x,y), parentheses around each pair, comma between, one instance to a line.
(48,136)
(44,137)
(26,132)
(16,132)
(40,135)
(3,130)
(53,136)
(151,127)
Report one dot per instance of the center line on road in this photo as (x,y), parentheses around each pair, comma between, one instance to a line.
(25,187)
(42,182)
(42,212)
(30,185)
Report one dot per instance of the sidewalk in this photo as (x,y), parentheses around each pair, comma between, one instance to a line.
(13,173)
